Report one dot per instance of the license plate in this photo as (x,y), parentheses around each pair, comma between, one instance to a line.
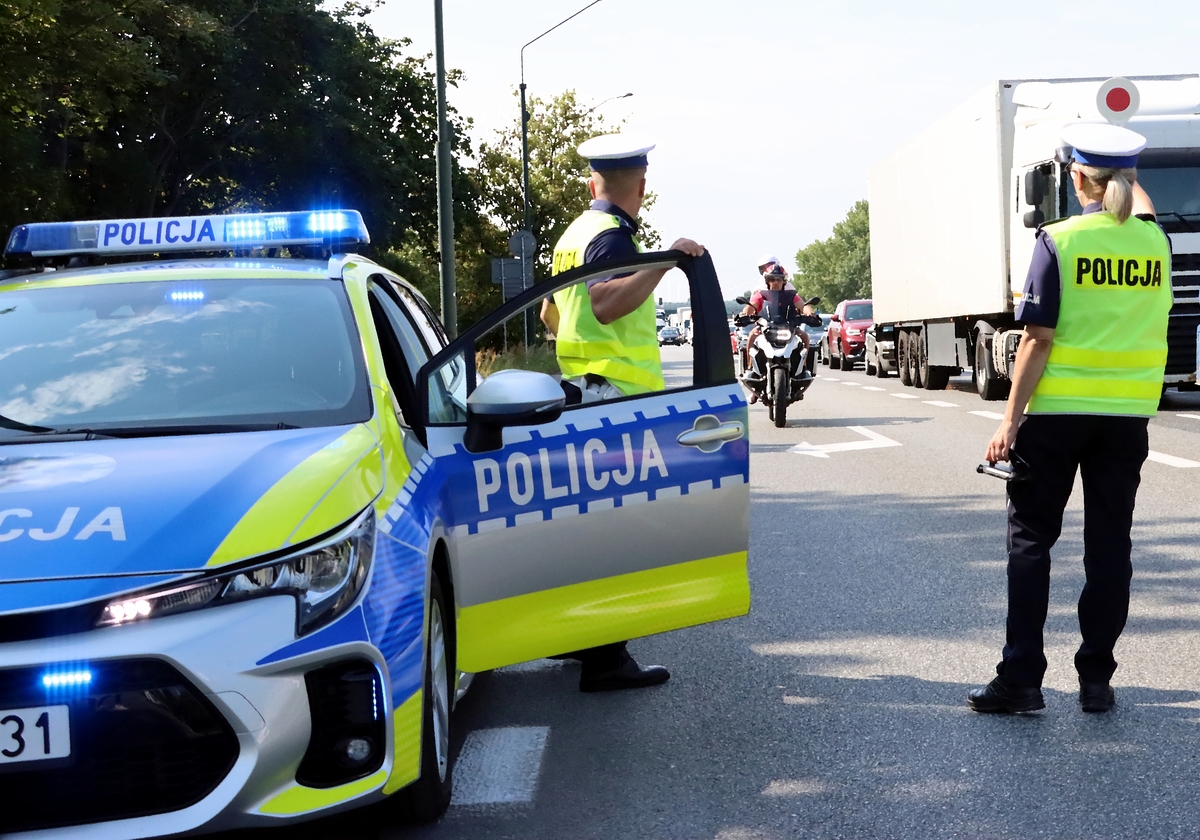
(36,734)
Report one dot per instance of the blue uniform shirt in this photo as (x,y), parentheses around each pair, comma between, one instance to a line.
(613,243)
(1043,284)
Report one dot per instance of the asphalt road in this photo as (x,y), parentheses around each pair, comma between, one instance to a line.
(836,709)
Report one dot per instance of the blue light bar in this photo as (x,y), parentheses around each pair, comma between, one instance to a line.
(66,679)
(189,233)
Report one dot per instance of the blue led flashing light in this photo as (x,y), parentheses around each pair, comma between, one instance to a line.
(189,233)
(66,679)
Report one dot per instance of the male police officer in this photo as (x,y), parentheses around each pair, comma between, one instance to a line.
(607,344)
(1090,368)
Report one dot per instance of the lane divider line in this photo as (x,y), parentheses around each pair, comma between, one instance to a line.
(991,415)
(941,403)
(1171,460)
(906,396)
(873,388)
(1189,416)
(855,384)
(499,766)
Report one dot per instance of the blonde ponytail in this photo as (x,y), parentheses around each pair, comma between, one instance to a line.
(1112,186)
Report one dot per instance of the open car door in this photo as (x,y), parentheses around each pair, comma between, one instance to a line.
(579,526)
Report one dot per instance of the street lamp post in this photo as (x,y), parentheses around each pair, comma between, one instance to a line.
(445,198)
(526,266)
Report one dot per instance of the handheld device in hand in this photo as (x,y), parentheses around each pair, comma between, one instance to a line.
(1016,470)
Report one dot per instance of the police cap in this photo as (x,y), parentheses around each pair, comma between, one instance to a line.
(1104,145)
(615,151)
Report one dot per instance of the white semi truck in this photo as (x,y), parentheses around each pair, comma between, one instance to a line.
(954,214)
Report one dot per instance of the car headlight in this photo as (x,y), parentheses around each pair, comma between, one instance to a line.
(325,580)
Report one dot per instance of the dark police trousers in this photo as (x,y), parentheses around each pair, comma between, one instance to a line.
(1109,452)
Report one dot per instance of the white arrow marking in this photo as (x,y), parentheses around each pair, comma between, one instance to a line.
(1171,460)
(875,441)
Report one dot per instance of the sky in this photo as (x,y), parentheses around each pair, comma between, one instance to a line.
(767,115)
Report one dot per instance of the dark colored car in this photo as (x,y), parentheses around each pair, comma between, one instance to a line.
(847,333)
(669,335)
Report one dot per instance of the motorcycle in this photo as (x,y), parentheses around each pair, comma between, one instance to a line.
(779,370)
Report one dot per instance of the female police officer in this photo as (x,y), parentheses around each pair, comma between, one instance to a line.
(1088,374)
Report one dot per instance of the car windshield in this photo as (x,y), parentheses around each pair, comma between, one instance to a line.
(858,312)
(181,354)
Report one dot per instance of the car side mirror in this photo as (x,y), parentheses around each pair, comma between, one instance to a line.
(1034,218)
(1035,188)
(834,317)
(510,398)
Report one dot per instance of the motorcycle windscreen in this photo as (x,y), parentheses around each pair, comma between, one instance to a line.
(621,518)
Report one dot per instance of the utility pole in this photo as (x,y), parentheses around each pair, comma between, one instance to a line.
(444,185)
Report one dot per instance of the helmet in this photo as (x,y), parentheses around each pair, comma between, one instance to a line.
(774,271)
(766,260)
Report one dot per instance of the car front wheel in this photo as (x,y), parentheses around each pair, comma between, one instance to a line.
(426,799)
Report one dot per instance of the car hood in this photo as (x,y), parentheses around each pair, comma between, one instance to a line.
(142,508)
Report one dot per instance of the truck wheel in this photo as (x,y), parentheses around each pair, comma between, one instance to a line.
(987,382)
(780,401)
(938,377)
(902,358)
(916,359)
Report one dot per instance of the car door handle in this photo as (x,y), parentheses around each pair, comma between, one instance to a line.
(709,434)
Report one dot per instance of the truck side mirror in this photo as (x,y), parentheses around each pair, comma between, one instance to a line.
(1035,188)
(1034,218)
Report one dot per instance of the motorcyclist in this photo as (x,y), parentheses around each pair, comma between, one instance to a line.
(776,280)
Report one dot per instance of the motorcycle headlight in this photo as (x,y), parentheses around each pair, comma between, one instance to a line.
(325,580)
(779,335)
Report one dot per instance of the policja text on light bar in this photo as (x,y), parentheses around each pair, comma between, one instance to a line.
(188,233)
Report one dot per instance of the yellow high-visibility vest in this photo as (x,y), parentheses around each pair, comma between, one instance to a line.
(624,352)
(1110,343)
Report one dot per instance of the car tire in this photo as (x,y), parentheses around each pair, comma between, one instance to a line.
(880,370)
(426,799)
(902,350)
(835,362)
(868,368)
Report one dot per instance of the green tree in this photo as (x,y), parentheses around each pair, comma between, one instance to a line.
(838,268)
(156,107)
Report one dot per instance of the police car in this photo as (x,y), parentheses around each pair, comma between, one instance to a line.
(260,521)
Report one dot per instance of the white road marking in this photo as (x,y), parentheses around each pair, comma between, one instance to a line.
(991,415)
(1189,416)
(534,667)
(831,379)
(499,766)
(873,388)
(941,403)
(906,396)
(855,384)
(1171,460)
(874,441)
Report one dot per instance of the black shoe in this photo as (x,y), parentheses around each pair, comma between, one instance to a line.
(1000,697)
(628,674)
(1096,697)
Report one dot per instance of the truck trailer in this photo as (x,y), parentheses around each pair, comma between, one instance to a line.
(955,211)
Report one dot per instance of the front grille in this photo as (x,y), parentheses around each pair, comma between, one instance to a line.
(144,741)
(1181,338)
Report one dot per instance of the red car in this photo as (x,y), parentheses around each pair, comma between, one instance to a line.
(847,334)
